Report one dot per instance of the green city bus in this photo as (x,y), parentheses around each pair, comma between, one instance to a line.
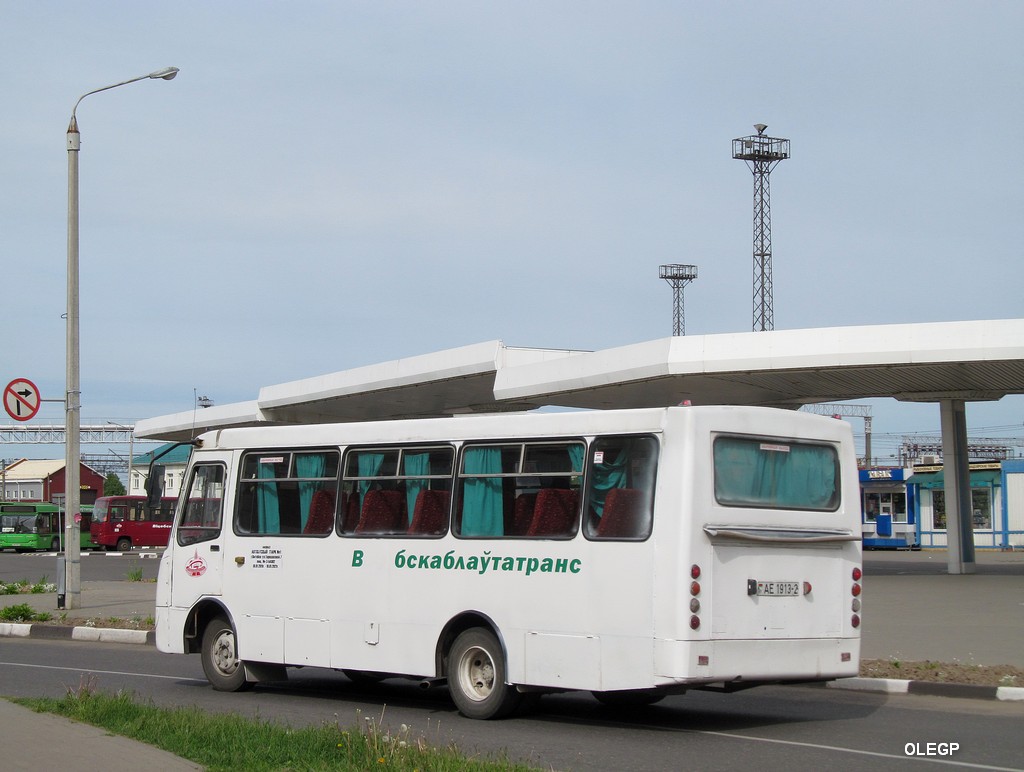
(31,526)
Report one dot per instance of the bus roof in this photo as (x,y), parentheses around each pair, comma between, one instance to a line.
(499,426)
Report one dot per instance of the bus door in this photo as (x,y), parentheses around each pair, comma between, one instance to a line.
(198,552)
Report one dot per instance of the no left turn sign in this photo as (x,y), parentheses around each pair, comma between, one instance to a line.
(21,399)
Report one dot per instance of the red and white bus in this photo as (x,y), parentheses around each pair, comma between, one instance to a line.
(123,522)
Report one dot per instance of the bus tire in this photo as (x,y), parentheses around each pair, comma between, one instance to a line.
(476,676)
(55,544)
(223,669)
(124,544)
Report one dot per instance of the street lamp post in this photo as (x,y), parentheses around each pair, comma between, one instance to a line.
(73,405)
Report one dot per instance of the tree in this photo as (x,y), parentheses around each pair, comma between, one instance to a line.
(112,485)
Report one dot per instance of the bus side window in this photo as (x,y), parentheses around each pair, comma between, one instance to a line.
(398,491)
(523,490)
(277,489)
(620,495)
(201,517)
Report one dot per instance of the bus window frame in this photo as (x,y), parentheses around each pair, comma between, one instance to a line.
(347,484)
(524,444)
(203,533)
(242,484)
(591,523)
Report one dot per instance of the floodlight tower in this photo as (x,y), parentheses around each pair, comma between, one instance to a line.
(762,154)
(678,276)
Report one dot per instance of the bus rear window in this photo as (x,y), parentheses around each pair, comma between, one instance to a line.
(776,474)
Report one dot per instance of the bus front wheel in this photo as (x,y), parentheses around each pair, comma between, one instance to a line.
(223,669)
(124,544)
(55,545)
(476,676)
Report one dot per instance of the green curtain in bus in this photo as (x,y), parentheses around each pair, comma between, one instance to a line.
(482,506)
(576,458)
(269,513)
(369,465)
(308,465)
(415,464)
(608,475)
(775,475)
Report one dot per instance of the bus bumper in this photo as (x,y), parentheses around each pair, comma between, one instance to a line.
(770,660)
(170,629)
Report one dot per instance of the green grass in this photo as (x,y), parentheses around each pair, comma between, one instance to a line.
(232,742)
(22,612)
(134,575)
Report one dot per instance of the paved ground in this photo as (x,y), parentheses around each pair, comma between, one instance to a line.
(913,610)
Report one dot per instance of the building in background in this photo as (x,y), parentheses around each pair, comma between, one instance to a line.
(30,479)
(888,519)
(905,508)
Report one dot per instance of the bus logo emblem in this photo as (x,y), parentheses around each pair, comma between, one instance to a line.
(196,566)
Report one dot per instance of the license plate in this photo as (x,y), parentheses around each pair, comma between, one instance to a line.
(773,589)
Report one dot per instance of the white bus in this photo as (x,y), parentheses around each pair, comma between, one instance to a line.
(631,553)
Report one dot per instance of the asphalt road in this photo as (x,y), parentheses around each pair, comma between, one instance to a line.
(792,728)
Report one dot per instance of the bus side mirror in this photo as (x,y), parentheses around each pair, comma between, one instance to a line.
(155,486)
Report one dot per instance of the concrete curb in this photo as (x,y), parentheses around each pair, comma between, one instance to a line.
(934,688)
(80,633)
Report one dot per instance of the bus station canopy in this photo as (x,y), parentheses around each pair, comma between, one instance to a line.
(931,362)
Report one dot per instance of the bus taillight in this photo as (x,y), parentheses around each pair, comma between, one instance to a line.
(694,591)
(855,591)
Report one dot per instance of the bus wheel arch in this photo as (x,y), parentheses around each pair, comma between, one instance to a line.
(199,617)
(455,627)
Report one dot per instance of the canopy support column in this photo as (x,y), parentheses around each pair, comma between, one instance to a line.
(957,480)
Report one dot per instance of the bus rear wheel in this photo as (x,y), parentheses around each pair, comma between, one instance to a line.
(476,676)
(223,669)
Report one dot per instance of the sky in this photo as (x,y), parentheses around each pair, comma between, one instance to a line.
(327,185)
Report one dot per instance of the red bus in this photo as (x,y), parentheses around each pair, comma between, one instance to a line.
(123,522)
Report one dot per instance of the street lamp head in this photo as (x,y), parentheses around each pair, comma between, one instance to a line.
(167,73)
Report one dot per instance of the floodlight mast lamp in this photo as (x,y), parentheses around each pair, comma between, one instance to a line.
(72,404)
